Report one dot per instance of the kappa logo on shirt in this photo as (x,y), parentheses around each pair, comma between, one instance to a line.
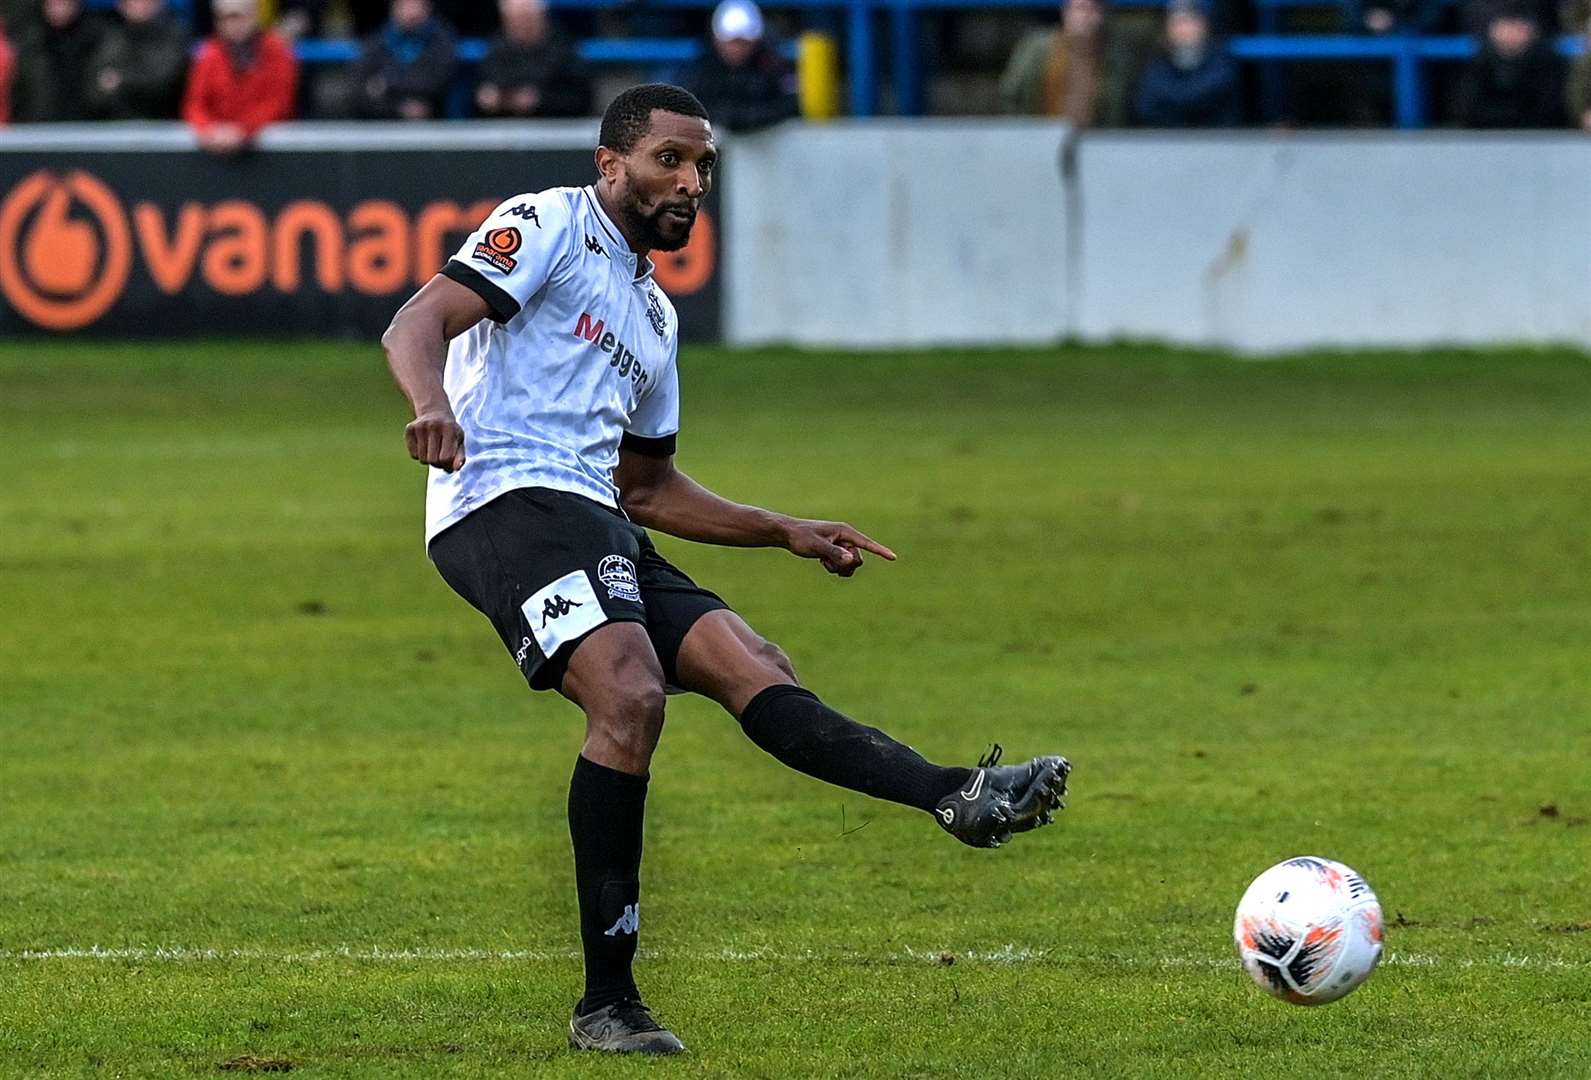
(525,212)
(594,247)
(497,248)
(620,355)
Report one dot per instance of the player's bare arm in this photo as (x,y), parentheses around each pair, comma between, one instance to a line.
(416,346)
(657,495)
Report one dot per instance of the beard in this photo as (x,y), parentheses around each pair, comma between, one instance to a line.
(658,231)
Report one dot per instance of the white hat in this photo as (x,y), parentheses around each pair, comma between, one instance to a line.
(737,19)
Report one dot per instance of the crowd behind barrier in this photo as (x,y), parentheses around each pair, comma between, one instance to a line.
(230,67)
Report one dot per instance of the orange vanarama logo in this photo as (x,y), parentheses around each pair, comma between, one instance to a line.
(65,251)
(68,247)
(498,247)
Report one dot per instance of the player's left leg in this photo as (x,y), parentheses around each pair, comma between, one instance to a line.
(723,658)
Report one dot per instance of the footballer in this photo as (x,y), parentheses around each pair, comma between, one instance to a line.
(541,365)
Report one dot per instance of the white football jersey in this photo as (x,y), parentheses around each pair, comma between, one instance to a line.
(579,353)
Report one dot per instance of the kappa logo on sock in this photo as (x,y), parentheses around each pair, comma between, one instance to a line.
(629,922)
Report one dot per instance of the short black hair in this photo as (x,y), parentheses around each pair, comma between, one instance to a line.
(629,115)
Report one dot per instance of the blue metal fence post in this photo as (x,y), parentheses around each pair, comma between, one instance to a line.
(908,79)
(860,58)
(1268,20)
(1408,88)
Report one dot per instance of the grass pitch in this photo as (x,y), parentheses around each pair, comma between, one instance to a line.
(271,797)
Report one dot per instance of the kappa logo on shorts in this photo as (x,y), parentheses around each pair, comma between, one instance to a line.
(523,654)
(563,611)
(498,247)
(557,607)
(618,574)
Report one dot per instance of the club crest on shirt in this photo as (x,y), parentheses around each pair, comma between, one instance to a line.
(654,313)
(497,248)
(618,574)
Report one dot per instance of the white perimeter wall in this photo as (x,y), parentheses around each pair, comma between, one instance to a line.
(883,233)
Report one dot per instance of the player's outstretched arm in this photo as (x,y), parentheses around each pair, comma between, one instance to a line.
(416,345)
(659,496)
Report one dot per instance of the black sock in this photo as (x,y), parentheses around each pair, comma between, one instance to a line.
(790,723)
(606,808)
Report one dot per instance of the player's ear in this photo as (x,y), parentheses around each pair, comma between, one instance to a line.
(608,163)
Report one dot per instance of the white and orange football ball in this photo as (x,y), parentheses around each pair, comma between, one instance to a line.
(1308,930)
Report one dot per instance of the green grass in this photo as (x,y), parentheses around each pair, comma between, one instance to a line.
(1335,605)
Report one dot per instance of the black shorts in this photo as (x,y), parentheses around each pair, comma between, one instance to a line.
(549,567)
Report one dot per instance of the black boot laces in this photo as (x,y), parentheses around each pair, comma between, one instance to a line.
(636,1017)
(992,758)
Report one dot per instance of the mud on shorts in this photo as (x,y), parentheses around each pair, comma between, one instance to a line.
(549,567)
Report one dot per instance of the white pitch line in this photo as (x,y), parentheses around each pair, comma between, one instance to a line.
(1009,954)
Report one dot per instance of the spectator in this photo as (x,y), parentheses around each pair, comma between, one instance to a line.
(137,71)
(1192,82)
(1515,81)
(1081,71)
(300,18)
(1477,15)
(531,70)
(243,79)
(1369,95)
(745,84)
(406,67)
(1578,97)
(8,70)
(53,57)
(1378,17)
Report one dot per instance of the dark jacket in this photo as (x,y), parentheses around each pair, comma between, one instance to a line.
(410,65)
(1525,91)
(757,95)
(1202,96)
(52,70)
(551,67)
(152,60)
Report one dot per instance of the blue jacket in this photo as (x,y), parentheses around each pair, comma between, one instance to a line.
(1204,96)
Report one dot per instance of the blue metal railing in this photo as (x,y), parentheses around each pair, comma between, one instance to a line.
(1406,54)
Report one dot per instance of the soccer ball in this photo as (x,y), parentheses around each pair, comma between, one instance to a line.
(1308,930)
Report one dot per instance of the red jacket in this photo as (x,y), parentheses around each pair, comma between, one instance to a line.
(8,70)
(264,93)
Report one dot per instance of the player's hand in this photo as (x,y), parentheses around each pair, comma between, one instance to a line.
(435,438)
(835,544)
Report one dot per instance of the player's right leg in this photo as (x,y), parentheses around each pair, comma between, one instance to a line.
(615,678)
(554,573)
